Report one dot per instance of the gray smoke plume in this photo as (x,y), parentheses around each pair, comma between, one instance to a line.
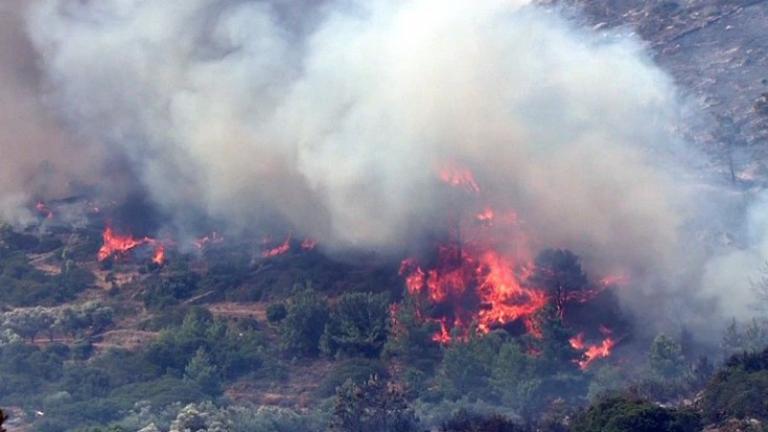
(38,157)
(335,117)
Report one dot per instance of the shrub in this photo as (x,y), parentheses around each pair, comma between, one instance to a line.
(304,324)
(739,389)
(620,414)
(357,325)
(276,312)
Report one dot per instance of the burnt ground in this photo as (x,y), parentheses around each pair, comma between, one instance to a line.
(717,51)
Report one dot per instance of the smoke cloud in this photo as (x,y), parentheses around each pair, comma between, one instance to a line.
(37,156)
(334,121)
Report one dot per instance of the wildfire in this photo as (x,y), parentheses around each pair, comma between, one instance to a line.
(279,249)
(459,177)
(117,244)
(44,210)
(481,279)
(489,281)
(486,216)
(204,241)
(614,280)
(592,352)
(308,244)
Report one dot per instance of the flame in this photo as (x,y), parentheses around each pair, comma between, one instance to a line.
(486,278)
(43,209)
(614,280)
(204,241)
(280,249)
(117,244)
(308,244)
(480,280)
(486,216)
(158,257)
(592,352)
(459,177)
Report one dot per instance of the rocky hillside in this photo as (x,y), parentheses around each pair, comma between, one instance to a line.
(717,50)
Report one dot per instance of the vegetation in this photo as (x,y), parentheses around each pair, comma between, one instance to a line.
(176,347)
(623,414)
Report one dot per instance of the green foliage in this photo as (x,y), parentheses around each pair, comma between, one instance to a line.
(233,350)
(739,389)
(357,325)
(276,312)
(466,366)
(410,337)
(465,421)
(666,358)
(619,414)
(163,291)
(356,370)
(304,324)
(555,353)
(203,372)
(374,406)
(752,338)
(21,284)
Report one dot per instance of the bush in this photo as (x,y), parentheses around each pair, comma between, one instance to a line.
(357,325)
(464,421)
(356,370)
(373,406)
(304,324)
(739,389)
(276,312)
(620,414)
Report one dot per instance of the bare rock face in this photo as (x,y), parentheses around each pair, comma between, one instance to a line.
(717,51)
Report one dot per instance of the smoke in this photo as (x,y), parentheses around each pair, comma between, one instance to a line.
(38,157)
(334,121)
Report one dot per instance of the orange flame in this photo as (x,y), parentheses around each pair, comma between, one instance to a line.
(487,278)
(280,249)
(592,352)
(116,244)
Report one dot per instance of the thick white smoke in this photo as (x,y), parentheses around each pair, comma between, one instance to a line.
(336,123)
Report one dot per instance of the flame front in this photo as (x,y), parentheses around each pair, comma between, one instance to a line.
(481,279)
(116,244)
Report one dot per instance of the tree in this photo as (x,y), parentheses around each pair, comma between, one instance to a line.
(666,358)
(304,324)
(374,406)
(357,325)
(559,273)
(203,372)
(466,366)
(555,352)
(410,337)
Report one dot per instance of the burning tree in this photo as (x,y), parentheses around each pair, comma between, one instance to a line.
(558,273)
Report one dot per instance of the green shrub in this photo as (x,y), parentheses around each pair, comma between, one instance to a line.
(304,324)
(620,414)
(357,325)
(276,312)
(739,389)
